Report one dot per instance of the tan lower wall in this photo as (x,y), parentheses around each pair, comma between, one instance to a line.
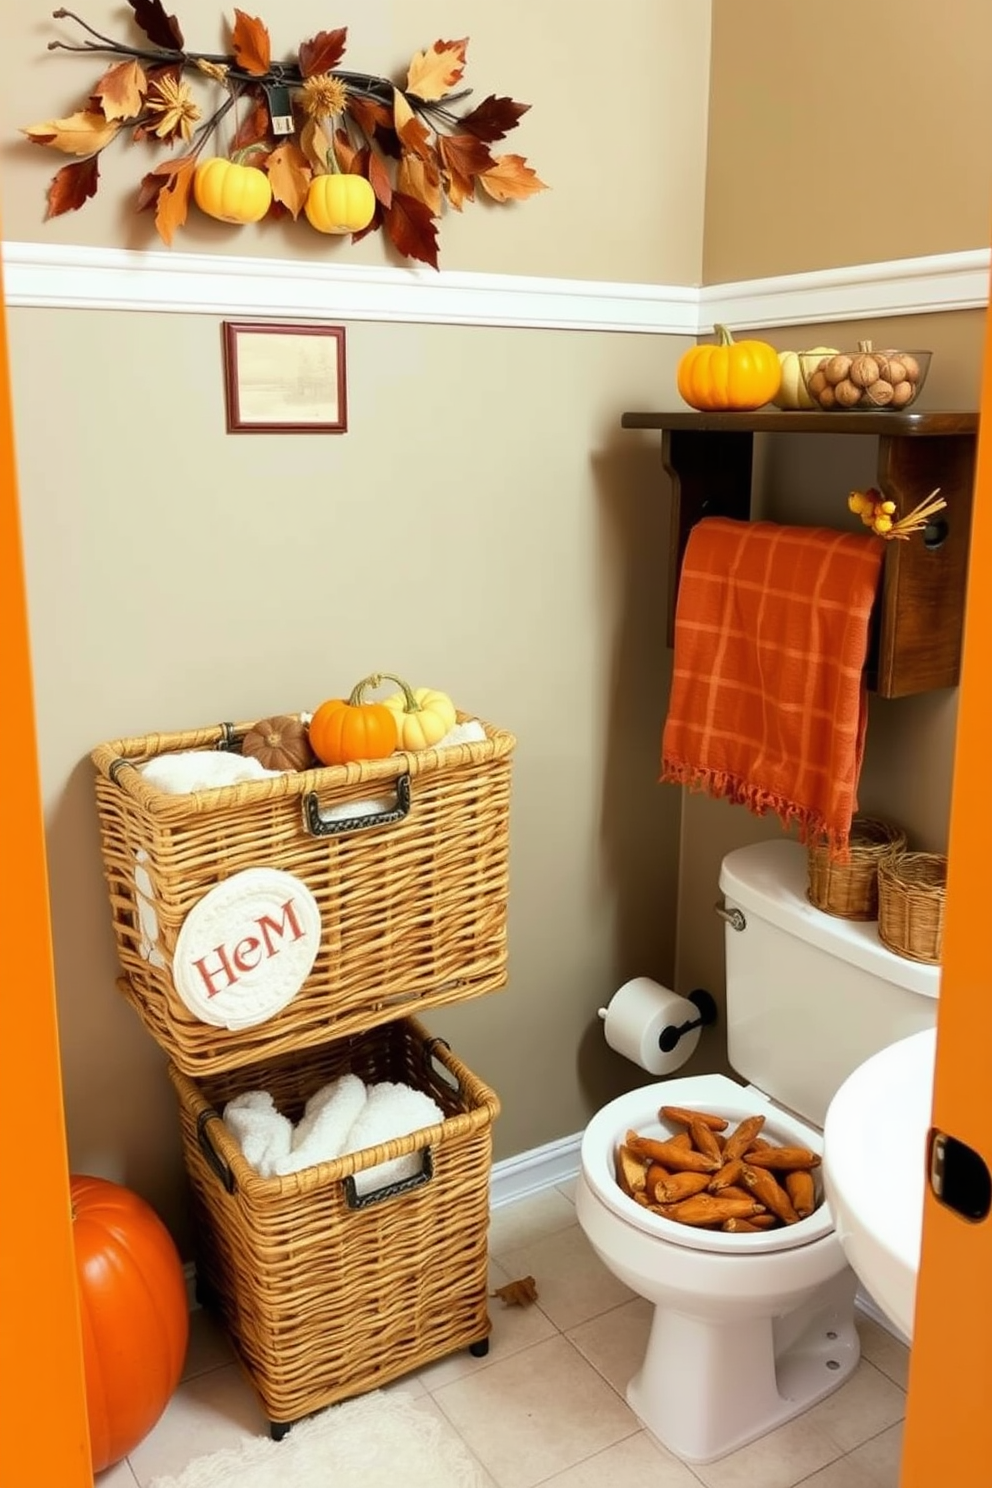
(484,526)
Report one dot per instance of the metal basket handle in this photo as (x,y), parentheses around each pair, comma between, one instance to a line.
(218,1166)
(320,826)
(355,1200)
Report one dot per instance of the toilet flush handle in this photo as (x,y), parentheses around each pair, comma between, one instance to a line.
(734,917)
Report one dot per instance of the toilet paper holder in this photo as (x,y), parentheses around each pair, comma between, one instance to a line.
(669,1037)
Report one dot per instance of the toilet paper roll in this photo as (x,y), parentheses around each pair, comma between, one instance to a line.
(638,1014)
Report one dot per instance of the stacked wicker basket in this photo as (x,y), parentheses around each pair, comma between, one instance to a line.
(880,879)
(327,1292)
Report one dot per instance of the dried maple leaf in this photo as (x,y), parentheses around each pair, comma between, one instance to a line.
(315,145)
(520,1293)
(168,188)
(411,131)
(289,176)
(72,186)
(120,92)
(251,44)
(369,114)
(493,118)
(161,29)
(322,52)
(82,133)
(464,157)
(411,228)
(379,180)
(420,179)
(433,74)
(510,179)
(256,124)
(344,153)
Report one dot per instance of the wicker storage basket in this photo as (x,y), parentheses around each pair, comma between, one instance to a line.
(326,1294)
(850,889)
(911,890)
(412,908)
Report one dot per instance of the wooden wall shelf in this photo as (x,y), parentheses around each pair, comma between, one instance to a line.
(916,644)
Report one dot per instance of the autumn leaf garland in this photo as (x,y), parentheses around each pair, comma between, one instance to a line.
(293,120)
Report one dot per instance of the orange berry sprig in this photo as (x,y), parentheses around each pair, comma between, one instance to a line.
(878,513)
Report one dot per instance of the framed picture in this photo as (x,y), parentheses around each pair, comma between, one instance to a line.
(285,379)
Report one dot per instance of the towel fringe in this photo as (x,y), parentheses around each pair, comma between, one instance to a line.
(726,786)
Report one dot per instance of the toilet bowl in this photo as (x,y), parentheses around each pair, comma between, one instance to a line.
(751,1329)
(748,1330)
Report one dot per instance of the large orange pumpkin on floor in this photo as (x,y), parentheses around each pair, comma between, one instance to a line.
(133,1310)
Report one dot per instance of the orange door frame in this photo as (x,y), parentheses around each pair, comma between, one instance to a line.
(44,1432)
(950,1380)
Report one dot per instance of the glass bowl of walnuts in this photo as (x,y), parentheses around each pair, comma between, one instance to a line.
(864,380)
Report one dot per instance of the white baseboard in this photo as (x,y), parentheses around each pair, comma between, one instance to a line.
(530,1172)
(866,1304)
(63,276)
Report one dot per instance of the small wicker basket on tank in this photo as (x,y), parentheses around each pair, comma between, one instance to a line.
(850,889)
(911,888)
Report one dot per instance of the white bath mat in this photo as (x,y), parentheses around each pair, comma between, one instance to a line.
(380,1440)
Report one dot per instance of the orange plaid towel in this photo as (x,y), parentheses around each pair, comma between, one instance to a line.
(768,705)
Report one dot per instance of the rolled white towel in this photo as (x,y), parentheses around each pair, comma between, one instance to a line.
(391,1110)
(263,1133)
(201,769)
(469,732)
(327,1118)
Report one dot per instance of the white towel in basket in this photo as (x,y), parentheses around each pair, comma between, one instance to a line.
(322,1130)
(263,1133)
(201,769)
(391,1110)
(342,1116)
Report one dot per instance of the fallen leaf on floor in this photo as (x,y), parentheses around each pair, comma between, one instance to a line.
(520,1293)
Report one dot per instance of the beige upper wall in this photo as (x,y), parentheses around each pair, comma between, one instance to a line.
(846,134)
(616,128)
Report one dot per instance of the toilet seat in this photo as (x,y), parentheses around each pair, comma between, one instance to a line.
(638,1111)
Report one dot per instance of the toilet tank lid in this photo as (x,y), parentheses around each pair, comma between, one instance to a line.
(770,880)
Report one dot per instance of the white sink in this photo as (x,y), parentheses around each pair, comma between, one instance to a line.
(874,1170)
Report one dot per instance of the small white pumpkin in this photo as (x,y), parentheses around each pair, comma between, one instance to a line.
(792,389)
(423,715)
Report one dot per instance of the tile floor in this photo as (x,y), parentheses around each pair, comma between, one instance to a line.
(546,1406)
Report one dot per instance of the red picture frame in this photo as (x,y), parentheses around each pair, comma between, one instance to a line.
(284,379)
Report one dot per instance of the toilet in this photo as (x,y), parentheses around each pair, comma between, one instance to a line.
(749,1330)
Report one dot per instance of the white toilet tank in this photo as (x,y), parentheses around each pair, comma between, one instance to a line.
(809,996)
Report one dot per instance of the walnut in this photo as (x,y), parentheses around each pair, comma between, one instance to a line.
(902,394)
(864,371)
(880,393)
(912,367)
(847,393)
(837,368)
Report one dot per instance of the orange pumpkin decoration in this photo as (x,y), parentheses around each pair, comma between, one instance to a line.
(339,203)
(733,375)
(133,1311)
(231,192)
(345,730)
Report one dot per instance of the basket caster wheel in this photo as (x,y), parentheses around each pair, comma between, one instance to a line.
(479,1350)
(204,1295)
(279,1429)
